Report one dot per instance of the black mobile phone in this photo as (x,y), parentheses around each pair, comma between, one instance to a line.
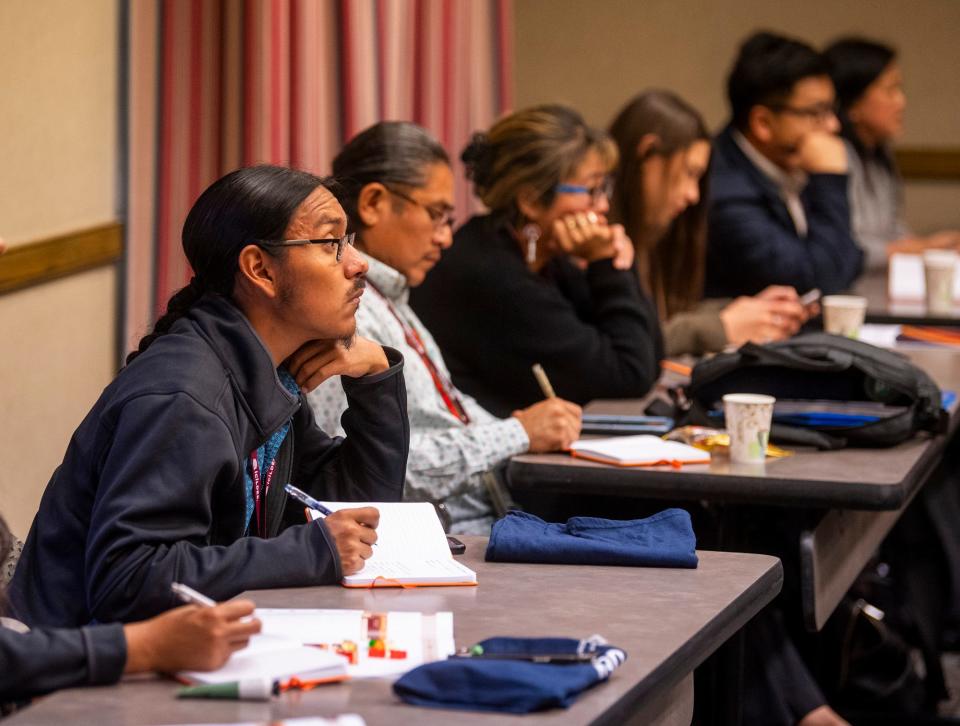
(456,546)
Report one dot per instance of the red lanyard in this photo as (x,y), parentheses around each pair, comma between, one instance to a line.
(444,387)
(255,476)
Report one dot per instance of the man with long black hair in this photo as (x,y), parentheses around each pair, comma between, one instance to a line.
(177,473)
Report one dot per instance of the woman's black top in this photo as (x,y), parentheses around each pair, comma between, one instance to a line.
(593,331)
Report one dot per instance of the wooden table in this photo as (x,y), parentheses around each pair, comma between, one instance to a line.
(667,620)
(863,491)
(880,309)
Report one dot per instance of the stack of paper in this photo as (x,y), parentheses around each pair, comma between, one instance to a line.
(403,640)
(274,657)
(411,548)
(638,451)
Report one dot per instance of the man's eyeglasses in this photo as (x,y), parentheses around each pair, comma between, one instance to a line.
(340,242)
(439,217)
(820,113)
(597,193)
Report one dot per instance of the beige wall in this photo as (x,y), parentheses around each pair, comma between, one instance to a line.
(596,55)
(57,174)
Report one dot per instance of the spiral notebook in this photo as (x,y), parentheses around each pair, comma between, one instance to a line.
(411,548)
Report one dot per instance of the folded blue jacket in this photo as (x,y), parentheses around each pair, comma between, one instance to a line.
(664,540)
(512,686)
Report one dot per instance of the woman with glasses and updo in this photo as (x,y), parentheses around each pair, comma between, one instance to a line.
(543,277)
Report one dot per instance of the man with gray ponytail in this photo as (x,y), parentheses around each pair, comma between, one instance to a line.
(177,472)
(397,187)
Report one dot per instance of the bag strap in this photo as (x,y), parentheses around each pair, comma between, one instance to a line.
(837,360)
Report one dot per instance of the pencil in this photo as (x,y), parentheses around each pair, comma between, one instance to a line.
(679,368)
(541,376)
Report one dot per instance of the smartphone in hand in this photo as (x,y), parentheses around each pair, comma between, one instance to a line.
(810,297)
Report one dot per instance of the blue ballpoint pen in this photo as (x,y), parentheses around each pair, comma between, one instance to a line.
(306,499)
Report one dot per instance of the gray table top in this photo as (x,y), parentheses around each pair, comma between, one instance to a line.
(880,309)
(667,620)
(848,478)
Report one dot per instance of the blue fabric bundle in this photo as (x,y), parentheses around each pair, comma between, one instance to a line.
(511,686)
(664,540)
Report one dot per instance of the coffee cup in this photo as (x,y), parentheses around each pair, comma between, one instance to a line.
(748,417)
(939,268)
(844,314)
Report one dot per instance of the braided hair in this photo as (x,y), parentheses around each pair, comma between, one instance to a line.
(253,203)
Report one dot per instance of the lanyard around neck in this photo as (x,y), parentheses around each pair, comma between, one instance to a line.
(443,385)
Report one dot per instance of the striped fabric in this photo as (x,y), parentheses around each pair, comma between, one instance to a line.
(212,85)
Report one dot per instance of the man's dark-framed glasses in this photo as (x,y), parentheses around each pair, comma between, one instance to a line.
(440,218)
(820,112)
(340,242)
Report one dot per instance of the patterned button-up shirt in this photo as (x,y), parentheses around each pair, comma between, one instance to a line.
(447,457)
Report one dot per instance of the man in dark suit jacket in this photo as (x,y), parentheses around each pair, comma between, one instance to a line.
(778,212)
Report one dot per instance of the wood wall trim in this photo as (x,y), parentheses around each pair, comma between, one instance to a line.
(919,163)
(49,259)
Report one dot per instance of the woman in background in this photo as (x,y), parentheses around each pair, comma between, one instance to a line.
(543,278)
(660,197)
(871,104)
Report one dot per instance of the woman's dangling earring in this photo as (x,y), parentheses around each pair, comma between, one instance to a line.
(531,233)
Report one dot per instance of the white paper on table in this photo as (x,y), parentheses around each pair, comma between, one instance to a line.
(273,657)
(906,281)
(882,336)
(425,637)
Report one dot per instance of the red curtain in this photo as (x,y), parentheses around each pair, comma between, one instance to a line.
(217,84)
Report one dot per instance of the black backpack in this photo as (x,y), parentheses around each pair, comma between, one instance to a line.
(823,367)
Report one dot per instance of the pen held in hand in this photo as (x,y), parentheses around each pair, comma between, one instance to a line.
(306,500)
(541,376)
(309,502)
(191,596)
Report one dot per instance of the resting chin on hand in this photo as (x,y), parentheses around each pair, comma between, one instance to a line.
(823,153)
(317,360)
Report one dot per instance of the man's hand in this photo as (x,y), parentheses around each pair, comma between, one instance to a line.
(551,425)
(354,532)
(190,637)
(317,360)
(822,153)
(761,320)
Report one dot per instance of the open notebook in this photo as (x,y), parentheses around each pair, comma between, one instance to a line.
(411,548)
(274,658)
(638,451)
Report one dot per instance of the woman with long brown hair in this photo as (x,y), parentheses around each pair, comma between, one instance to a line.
(660,195)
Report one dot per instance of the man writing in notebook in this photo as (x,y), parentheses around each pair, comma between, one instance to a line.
(398,191)
(778,211)
(178,472)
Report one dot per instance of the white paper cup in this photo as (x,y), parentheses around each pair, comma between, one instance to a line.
(939,268)
(844,314)
(748,418)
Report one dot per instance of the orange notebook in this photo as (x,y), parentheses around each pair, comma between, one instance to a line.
(641,450)
(411,548)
